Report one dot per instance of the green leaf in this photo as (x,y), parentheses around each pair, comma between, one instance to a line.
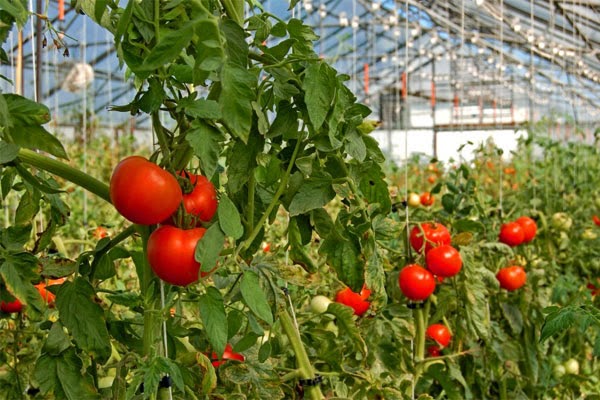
(345,321)
(374,188)
(513,316)
(16,278)
(238,87)
(17,9)
(35,137)
(254,296)
(314,193)
(209,247)
(28,207)
(319,85)
(57,340)
(285,122)
(62,375)
(26,112)
(8,152)
(205,141)
(57,267)
(242,160)
(169,47)
(236,47)
(154,372)
(214,318)
(229,218)
(345,258)
(83,317)
(200,108)
(355,146)
(467,225)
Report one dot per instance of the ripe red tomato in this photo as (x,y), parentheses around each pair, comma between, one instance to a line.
(511,234)
(201,202)
(529,228)
(440,334)
(100,232)
(596,220)
(444,261)
(358,301)
(171,254)
(14,306)
(416,282)
(47,295)
(435,235)
(434,351)
(266,247)
(228,354)
(143,192)
(427,199)
(511,278)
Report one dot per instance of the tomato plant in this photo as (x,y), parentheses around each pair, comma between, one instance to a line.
(171,254)
(529,227)
(444,261)
(440,334)
(512,278)
(143,192)
(357,301)
(416,282)
(512,234)
(427,235)
(427,199)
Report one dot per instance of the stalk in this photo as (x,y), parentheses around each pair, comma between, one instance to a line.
(305,369)
(65,171)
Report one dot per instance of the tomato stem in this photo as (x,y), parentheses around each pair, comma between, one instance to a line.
(305,369)
(65,171)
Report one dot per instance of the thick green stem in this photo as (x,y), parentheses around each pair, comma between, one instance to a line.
(305,369)
(151,312)
(420,334)
(65,171)
(160,136)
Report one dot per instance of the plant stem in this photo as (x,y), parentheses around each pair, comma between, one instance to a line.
(305,369)
(160,136)
(65,171)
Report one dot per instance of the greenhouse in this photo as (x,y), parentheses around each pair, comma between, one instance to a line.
(302,199)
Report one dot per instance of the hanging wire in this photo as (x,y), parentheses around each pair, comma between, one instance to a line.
(34,54)
(84,122)
(501,112)
(164,329)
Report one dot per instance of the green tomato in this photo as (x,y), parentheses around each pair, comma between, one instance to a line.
(589,234)
(561,221)
(558,371)
(319,304)
(572,366)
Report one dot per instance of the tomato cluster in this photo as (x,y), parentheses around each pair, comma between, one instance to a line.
(146,194)
(517,232)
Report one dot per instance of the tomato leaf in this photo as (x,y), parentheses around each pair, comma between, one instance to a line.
(255,297)
(169,47)
(57,340)
(25,112)
(344,256)
(314,193)
(205,140)
(35,137)
(373,186)
(319,84)
(17,271)
(345,321)
(513,316)
(62,375)
(209,248)
(83,317)
(241,161)
(229,218)
(156,369)
(237,93)
(236,46)
(8,152)
(214,318)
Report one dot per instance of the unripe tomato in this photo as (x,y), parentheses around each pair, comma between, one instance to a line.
(427,199)
(202,200)
(529,228)
(47,295)
(561,221)
(572,366)
(558,371)
(511,278)
(416,282)
(413,200)
(143,192)
(439,333)
(358,301)
(434,351)
(589,234)
(319,304)
(444,261)
(228,354)
(434,235)
(171,254)
(9,307)
(511,234)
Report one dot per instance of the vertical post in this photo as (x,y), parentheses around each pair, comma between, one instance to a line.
(19,81)
(38,50)
(433,100)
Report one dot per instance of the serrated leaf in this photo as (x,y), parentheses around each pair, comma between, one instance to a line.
(57,340)
(238,87)
(254,296)
(345,321)
(209,247)
(169,47)
(314,193)
(205,140)
(200,108)
(319,85)
(83,317)
(355,146)
(214,318)
(16,279)
(344,256)
(229,218)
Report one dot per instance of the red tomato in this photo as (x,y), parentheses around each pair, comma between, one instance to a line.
(427,199)
(444,261)
(440,334)
(416,282)
(228,354)
(511,234)
(266,247)
(435,235)
(434,351)
(14,306)
(47,295)
(100,232)
(596,220)
(358,301)
(511,278)
(529,228)
(201,202)
(143,192)
(171,254)
(431,179)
